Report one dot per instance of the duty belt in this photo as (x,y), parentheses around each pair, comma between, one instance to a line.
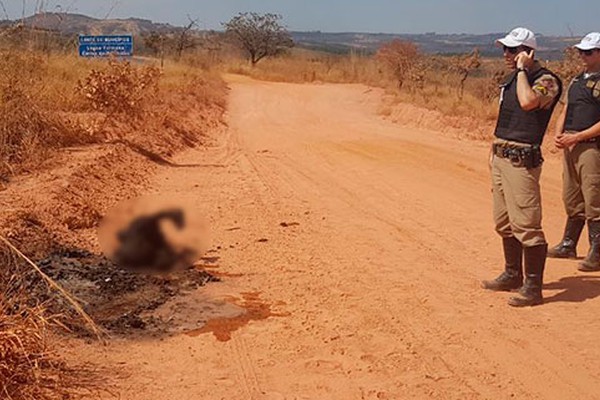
(525,157)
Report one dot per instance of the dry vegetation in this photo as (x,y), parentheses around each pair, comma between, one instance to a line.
(462,86)
(56,101)
(452,85)
(28,367)
(121,90)
(30,125)
(51,101)
(569,66)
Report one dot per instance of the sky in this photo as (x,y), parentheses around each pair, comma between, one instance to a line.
(548,17)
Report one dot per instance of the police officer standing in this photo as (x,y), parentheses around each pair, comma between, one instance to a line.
(528,97)
(578,134)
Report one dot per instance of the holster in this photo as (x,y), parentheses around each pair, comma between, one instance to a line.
(521,157)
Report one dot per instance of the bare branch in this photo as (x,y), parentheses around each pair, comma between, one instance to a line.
(114,5)
(4,10)
(184,38)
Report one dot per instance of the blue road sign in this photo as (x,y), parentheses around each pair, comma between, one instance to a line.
(106,45)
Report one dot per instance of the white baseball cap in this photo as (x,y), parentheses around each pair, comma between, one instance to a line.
(519,37)
(590,41)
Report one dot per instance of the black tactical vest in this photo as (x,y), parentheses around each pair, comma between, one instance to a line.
(518,125)
(583,109)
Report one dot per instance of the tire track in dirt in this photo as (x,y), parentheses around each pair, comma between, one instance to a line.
(357,206)
(248,376)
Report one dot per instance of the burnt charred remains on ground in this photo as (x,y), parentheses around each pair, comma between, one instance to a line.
(117,299)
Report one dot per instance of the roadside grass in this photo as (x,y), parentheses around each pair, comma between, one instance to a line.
(53,101)
(301,66)
(442,97)
(29,99)
(30,367)
(204,84)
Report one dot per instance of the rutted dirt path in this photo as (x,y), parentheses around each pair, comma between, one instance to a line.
(350,251)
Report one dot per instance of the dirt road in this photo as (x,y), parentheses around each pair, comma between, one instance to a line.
(351,251)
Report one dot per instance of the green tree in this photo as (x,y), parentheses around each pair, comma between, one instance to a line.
(259,35)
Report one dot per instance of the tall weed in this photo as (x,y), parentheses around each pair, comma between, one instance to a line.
(28,128)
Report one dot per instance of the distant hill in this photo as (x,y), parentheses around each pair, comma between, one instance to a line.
(84,25)
(550,47)
(431,43)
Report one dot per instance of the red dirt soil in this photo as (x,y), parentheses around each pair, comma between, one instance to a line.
(351,251)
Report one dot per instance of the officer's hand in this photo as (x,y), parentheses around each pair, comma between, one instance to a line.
(558,142)
(524,59)
(568,140)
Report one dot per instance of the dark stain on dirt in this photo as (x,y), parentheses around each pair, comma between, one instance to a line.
(288,224)
(255,308)
(118,300)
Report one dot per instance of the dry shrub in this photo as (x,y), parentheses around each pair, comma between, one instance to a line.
(443,86)
(400,57)
(570,66)
(191,103)
(464,66)
(489,87)
(27,128)
(207,90)
(121,90)
(51,102)
(28,369)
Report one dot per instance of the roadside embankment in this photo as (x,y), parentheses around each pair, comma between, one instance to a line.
(77,138)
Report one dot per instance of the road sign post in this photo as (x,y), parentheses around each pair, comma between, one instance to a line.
(106,45)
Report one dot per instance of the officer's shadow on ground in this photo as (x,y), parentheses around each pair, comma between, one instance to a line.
(574,289)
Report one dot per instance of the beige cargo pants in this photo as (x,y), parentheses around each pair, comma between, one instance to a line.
(581,181)
(517,202)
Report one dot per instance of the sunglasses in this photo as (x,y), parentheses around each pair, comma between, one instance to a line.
(587,52)
(510,50)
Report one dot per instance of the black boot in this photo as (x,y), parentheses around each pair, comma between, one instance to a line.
(592,261)
(530,293)
(567,248)
(512,277)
